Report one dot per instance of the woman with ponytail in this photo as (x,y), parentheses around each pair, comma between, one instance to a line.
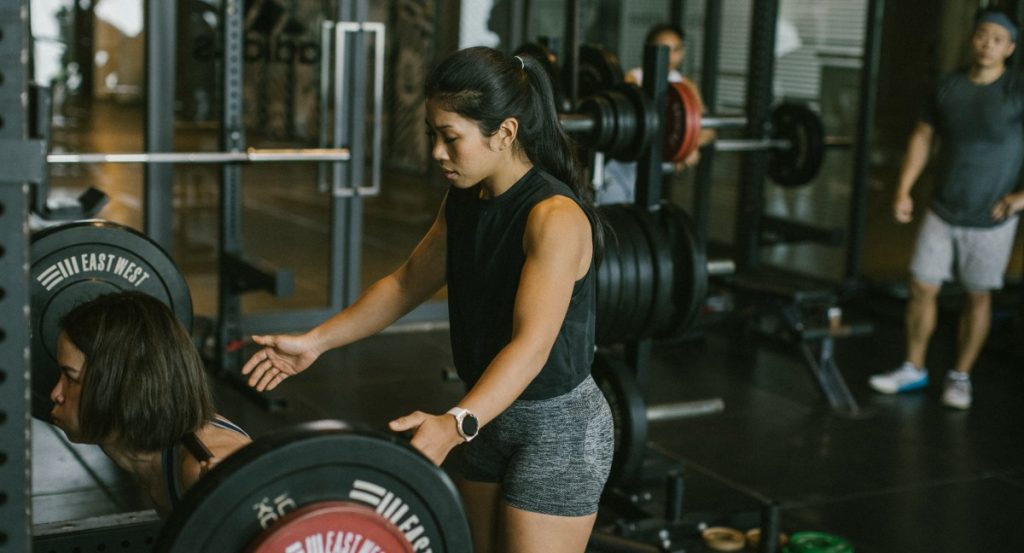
(515,241)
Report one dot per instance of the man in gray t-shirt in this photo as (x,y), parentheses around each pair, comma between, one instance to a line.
(978,117)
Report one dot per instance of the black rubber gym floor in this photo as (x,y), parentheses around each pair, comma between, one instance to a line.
(905,475)
(908,475)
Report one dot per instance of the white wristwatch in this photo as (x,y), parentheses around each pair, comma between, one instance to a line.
(465,422)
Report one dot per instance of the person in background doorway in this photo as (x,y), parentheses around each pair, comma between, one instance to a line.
(977,118)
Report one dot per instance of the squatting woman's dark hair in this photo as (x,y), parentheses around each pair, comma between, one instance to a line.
(144,384)
(488,86)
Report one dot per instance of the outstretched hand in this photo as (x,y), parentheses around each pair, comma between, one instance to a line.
(281,356)
(435,435)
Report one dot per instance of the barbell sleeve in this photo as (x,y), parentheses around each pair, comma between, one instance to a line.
(581,122)
(838,141)
(723,121)
(684,409)
(751,145)
(252,155)
(576,122)
(719,267)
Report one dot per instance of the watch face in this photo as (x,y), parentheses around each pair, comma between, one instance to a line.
(470,425)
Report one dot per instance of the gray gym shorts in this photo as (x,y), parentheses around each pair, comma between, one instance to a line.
(980,255)
(551,456)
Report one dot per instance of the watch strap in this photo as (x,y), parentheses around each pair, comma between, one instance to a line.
(460,414)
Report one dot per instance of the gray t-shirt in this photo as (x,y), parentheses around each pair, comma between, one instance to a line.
(981,145)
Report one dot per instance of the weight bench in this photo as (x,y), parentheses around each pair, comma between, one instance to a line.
(803,313)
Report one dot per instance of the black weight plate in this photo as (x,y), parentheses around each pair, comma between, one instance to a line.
(602,113)
(626,125)
(312,463)
(691,268)
(629,413)
(640,306)
(604,280)
(599,70)
(661,252)
(623,325)
(608,313)
(646,275)
(646,122)
(799,164)
(601,287)
(77,262)
(549,61)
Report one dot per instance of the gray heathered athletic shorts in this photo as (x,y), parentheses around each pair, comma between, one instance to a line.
(552,456)
(980,255)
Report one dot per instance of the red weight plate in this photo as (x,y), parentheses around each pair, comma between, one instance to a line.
(332,526)
(682,122)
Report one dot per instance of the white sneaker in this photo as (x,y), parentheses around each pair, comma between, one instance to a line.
(904,379)
(958,390)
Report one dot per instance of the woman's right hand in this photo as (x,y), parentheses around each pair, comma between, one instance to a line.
(903,208)
(281,356)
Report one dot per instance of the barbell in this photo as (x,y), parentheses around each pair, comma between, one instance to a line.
(621,121)
(251,155)
(320,486)
(617,118)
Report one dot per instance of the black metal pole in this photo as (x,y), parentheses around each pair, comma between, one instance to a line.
(516,24)
(571,53)
(15,372)
(655,87)
(760,73)
(82,48)
(709,92)
(771,524)
(161,37)
(862,144)
(349,210)
(232,139)
(677,13)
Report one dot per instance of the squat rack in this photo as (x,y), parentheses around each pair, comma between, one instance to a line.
(15,369)
(24,160)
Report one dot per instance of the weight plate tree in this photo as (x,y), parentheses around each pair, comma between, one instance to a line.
(74,263)
(312,487)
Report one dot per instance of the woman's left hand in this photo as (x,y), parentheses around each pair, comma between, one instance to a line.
(435,435)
